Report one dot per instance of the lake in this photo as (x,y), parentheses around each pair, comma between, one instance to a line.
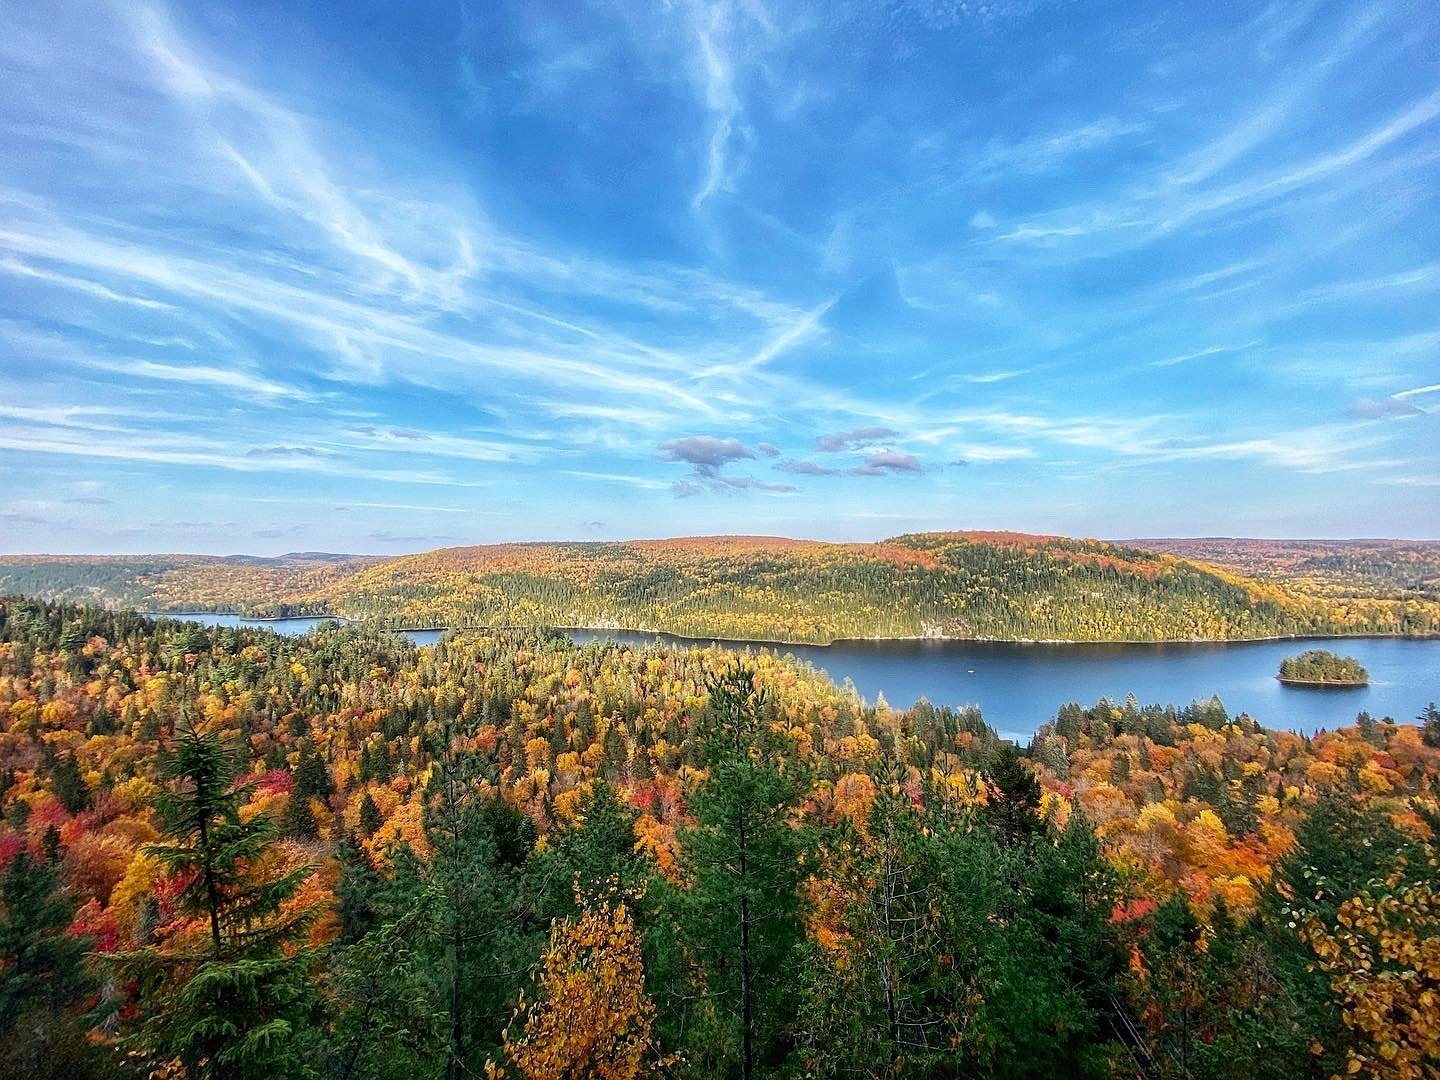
(1020,686)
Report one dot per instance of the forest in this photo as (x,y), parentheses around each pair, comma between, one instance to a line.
(230,853)
(996,586)
(1320,667)
(1393,569)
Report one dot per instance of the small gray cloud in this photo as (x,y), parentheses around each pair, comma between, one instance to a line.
(90,500)
(283,451)
(393,433)
(888,462)
(837,441)
(705,451)
(804,468)
(1382,408)
(385,536)
(685,489)
(747,483)
(767,449)
(275,532)
(706,455)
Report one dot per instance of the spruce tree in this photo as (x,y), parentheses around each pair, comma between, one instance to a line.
(738,912)
(1014,796)
(228,1001)
(44,985)
(370,817)
(40,963)
(482,919)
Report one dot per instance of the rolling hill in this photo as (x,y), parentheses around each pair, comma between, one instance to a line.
(975,585)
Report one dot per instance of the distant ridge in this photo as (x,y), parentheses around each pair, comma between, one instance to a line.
(986,584)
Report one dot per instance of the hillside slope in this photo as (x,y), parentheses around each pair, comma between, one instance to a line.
(962,585)
(1390,569)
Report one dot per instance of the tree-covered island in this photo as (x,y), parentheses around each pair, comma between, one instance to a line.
(1319,667)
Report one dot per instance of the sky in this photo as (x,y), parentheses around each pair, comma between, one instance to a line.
(380,277)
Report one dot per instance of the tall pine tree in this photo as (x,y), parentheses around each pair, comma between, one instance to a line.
(737,910)
(228,1000)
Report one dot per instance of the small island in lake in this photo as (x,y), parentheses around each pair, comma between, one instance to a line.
(1318,667)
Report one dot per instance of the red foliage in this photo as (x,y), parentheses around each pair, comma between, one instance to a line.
(95,922)
(275,782)
(11,844)
(1130,910)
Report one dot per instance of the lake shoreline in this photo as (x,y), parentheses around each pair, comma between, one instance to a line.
(1324,684)
(943,639)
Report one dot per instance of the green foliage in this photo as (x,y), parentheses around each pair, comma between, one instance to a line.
(977,585)
(1321,666)
(235,1005)
(591,858)
(864,891)
(737,912)
(41,966)
(482,925)
(387,1018)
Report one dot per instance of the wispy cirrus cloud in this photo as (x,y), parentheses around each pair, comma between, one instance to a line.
(1146,268)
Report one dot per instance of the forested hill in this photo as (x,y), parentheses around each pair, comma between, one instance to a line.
(962,585)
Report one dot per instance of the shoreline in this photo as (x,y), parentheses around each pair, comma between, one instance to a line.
(941,639)
(1323,684)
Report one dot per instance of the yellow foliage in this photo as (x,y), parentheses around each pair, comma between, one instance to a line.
(591,1016)
(1382,955)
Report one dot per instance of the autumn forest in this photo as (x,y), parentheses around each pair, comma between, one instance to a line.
(976,585)
(230,853)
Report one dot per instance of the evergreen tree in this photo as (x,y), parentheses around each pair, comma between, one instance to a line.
(881,1000)
(592,858)
(299,820)
(230,1002)
(738,913)
(483,921)
(389,1020)
(312,778)
(41,965)
(1429,721)
(1014,796)
(69,786)
(357,890)
(44,985)
(370,818)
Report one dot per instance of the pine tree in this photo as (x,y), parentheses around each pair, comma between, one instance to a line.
(739,911)
(388,1018)
(312,778)
(357,890)
(299,818)
(879,994)
(1429,721)
(370,818)
(592,857)
(43,980)
(68,785)
(228,1002)
(483,921)
(40,963)
(1014,796)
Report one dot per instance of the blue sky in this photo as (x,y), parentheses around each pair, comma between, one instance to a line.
(383,277)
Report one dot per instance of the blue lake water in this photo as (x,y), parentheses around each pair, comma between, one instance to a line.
(1018,687)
